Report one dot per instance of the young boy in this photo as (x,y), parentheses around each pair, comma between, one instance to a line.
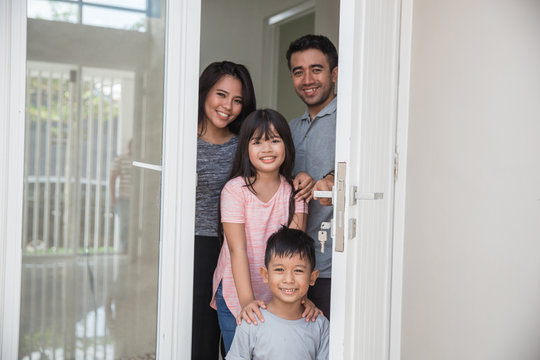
(289,271)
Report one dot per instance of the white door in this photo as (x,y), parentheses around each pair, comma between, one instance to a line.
(370,163)
(98,172)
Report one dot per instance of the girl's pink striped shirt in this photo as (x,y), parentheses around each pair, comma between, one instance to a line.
(261,219)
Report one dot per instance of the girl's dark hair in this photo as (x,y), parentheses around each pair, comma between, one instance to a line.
(258,125)
(211,75)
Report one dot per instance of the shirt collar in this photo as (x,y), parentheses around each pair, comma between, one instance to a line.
(328,109)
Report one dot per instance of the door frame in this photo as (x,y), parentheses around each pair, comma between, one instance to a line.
(178,180)
(400,189)
(12,120)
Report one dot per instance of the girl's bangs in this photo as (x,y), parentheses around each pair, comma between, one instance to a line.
(264,130)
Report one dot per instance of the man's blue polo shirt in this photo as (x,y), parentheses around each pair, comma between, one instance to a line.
(315,144)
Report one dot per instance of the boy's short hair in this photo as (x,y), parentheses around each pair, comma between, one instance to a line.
(288,242)
(319,42)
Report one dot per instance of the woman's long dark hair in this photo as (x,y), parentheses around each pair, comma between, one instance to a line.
(258,125)
(210,76)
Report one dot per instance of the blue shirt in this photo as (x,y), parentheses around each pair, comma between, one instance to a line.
(315,144)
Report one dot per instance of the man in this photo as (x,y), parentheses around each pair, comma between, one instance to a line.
(313,63)
(122,169)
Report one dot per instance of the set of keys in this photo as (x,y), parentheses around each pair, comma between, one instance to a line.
(323,234)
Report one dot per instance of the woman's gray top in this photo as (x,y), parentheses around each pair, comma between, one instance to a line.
(214,163)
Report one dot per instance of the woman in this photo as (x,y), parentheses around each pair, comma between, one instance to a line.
(226,97)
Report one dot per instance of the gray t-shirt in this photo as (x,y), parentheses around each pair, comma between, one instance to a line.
(315,144)
(214,163)
(277,338)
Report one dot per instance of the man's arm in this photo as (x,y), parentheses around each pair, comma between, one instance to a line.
(303,184)
(112,185)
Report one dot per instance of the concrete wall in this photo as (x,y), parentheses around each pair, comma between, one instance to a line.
(472,245)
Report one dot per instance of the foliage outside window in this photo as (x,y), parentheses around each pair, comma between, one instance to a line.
(119,14)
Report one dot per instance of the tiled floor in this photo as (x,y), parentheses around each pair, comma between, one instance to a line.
(96,307)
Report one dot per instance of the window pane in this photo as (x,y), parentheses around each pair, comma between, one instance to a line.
(111,18)
(53,10)
(91,220)
(130,4)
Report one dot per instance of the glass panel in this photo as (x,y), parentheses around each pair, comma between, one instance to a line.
(112,18)
(129,4)
(94,100)
(53,10)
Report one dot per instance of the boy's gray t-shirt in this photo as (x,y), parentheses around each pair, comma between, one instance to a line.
(278,338)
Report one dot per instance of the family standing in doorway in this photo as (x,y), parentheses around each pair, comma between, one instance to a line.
(256,174)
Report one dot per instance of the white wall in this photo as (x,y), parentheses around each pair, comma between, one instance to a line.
(472,245)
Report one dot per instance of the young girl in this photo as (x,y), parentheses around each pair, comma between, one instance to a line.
(256,201)
(226,97)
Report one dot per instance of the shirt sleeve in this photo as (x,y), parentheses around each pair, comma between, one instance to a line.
(241,347)
(116,164)
(232,203)
(323,351)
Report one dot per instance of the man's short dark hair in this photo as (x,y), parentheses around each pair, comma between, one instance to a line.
(288,242)
(319,42)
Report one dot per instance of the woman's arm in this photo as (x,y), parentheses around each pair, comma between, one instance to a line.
(236,240)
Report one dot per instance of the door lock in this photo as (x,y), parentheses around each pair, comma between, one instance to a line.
(338,198)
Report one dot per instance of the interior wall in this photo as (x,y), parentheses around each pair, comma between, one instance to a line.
(288,103)
(472,250)
(327,19)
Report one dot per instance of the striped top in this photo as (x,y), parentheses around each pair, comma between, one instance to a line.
(261,219)
(123,165)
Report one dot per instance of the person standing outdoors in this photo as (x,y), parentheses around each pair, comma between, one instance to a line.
(313,63)
(122,170)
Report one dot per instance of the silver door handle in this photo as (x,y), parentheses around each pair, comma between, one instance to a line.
(320,194)
(338,228)
(147,166)
(365,196)
(369,196)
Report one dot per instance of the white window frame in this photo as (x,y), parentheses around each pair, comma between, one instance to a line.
(12,120)
(182,49)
